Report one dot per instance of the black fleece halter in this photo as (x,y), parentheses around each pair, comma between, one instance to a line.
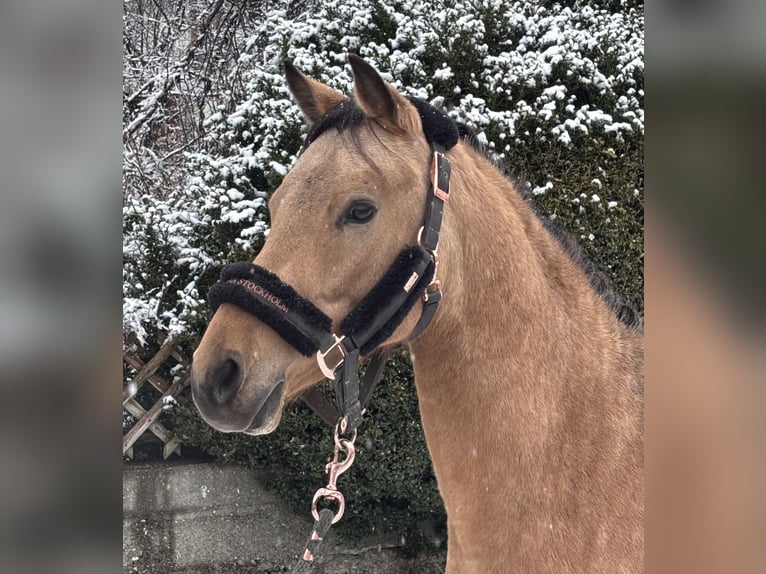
(411,277)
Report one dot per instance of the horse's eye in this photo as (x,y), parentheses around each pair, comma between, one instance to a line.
(360,212)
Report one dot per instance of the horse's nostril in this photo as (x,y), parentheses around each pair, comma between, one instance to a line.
(225,382)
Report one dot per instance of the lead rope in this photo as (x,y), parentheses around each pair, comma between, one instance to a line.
(325,517)
(321,527)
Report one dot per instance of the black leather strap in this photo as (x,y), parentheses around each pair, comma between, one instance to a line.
(321,405)
(430,306)
(372,375)
(347,392)
(438,194)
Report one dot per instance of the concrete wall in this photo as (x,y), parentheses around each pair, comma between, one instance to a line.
(206,518)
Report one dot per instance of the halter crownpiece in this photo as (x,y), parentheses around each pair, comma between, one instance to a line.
(411,277)
(438,128)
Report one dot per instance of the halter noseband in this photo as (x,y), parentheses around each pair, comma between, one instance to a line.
(411,277)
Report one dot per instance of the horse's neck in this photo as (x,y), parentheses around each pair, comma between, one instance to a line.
(522,348)
(511,294)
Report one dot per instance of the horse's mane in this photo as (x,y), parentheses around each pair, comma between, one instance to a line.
(626,313)
(348,116)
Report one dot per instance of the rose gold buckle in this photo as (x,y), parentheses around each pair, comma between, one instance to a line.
(328,371)
(335,469)
(331,494)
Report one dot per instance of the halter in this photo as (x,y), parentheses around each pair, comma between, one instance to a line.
(411,277)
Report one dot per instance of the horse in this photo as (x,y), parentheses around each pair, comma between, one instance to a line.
(529,379)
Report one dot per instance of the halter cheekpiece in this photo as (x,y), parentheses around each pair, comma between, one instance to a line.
(410,278)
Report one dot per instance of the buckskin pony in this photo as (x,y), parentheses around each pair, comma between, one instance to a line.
(529,377)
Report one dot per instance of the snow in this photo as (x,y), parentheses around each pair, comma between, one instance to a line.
(168,402)
(541,190)
(444,73)
(522,87)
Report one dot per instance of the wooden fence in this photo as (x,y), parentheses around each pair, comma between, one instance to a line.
(147,370)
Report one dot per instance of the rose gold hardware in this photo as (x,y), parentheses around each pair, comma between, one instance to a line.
(328,371)
(411,281)
(334,469)
(308,556)
(434,286)
(328,494)
(340,428)
(315,536)
(435,257)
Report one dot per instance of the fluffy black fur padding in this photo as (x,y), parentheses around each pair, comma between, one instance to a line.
(437,126)
(383,294)
(298,321)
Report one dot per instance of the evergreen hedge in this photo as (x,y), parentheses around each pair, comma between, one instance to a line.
(555,91)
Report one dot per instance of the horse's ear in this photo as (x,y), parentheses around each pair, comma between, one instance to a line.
(313,98)
(381,101)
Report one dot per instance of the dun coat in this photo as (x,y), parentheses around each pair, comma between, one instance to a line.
(530,386)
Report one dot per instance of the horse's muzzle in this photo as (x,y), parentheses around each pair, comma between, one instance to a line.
(218,392)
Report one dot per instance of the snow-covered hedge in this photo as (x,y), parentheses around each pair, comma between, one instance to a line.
(532,80)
